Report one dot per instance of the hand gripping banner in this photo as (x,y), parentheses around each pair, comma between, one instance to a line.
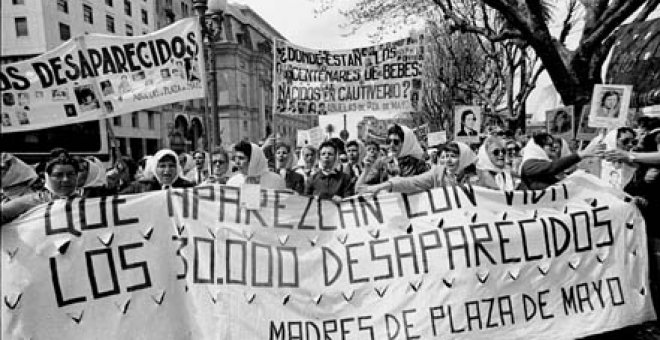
(98,76)
(453,262)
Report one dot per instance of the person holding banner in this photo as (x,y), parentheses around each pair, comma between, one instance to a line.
(163,171)
(61,178)
(253,168)
(405,158)
(491,165)
(329,182)
(92,181)
(455,161)
(539,171)
(284,160)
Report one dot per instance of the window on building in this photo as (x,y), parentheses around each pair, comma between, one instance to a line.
(150,121)
(116,121)
(21,26)
(184,9)
(63,6)
(127,8)
(110,23)
(245,126)
(129,30)
(88,14)
(65,32)
(108,2)
(145,17)
(135,120)
(18,2)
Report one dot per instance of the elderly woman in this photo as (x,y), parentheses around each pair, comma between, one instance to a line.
(162,171)
(253,168)
(18,178)
(491,166)
(61,179)
(284,160)
(456,158)
(539,171)
(405,158)
(92,181)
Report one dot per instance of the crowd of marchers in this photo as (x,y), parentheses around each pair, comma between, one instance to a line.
(337,169)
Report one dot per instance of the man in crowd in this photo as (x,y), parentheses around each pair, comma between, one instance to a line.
(329,182)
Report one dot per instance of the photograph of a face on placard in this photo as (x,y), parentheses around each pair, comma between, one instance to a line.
(609,105)
(559,122)
(467,123)
(584,130)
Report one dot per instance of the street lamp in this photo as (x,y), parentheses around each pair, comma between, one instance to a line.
(210,18)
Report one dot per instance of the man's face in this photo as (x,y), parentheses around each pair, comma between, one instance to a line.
(166,171)
(220,164)
(308,157)
(353,154)
(327,157)
(470,121)
(199,160)
(372,151)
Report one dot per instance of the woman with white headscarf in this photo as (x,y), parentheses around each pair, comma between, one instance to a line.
(253,168)
(455,161)
(405,158)
(539,171)
(491,165)
(92,181)
(18,178)
(618,173)
(162,171)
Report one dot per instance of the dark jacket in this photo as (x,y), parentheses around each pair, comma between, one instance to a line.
(408,166)
(651,192)
(143,185)
(326,186)
(538,174)
(295,181)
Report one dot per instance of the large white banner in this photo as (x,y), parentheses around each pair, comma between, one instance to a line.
(97,76)
(379,78)
(453,262)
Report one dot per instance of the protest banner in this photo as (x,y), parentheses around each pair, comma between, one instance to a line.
(457,261)
(378,78)
(96,76)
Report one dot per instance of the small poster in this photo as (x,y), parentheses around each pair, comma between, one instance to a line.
(585,131)
(467,121)
(559,122)
(437,138)
(609,105)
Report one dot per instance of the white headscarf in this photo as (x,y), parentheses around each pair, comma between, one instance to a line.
(410,146)
(96,174)
(152,164)
(533,151)
(189,163)
(466,156)
(18,171)
(503,177)
(258,163)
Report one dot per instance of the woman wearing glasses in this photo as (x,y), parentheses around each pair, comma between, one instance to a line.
(539,170)
(491,166)
(405,158)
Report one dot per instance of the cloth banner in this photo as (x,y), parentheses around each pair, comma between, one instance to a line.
(453,262)
(379,78)
(98,76)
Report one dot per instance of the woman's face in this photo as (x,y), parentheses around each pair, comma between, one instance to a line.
(63,179)
(449,159)
(242,162)
(470,121)
(327,158)
(220,164)
(281,155)
(548,147)
(626,141)
(611,101)
(166,171)
(497,153)
(309,157)
(394,143)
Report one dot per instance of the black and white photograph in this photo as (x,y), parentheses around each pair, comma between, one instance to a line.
(559,122)
(467,123)
(609,105)
(22,117)
(70,110)
(6,119)
(106,88)
(8,99)
(60,95)
(86,98)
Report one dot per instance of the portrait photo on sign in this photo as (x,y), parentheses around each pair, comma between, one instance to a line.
(106,88)
(559,122)
(467,122)
(8,99)
(86,98)
(609,105)
(6,119)
(584,131)
(60,95)
(109,108)
(70,110)
(21,116)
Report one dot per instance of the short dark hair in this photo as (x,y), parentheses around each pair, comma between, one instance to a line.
(328,144)
(374,143)
(352,143)
(609,94)
(62,159)
(395,130)
(338,143)
(465,114)
(245,148)
(625,129)
(282,145)
(451,147)
(541,139)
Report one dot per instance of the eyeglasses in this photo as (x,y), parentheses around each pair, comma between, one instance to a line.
(393,141)
(498,152)
(629,141)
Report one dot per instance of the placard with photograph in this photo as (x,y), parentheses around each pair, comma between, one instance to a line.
(584,130)
(609,105)
(559,122)
(467,123)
